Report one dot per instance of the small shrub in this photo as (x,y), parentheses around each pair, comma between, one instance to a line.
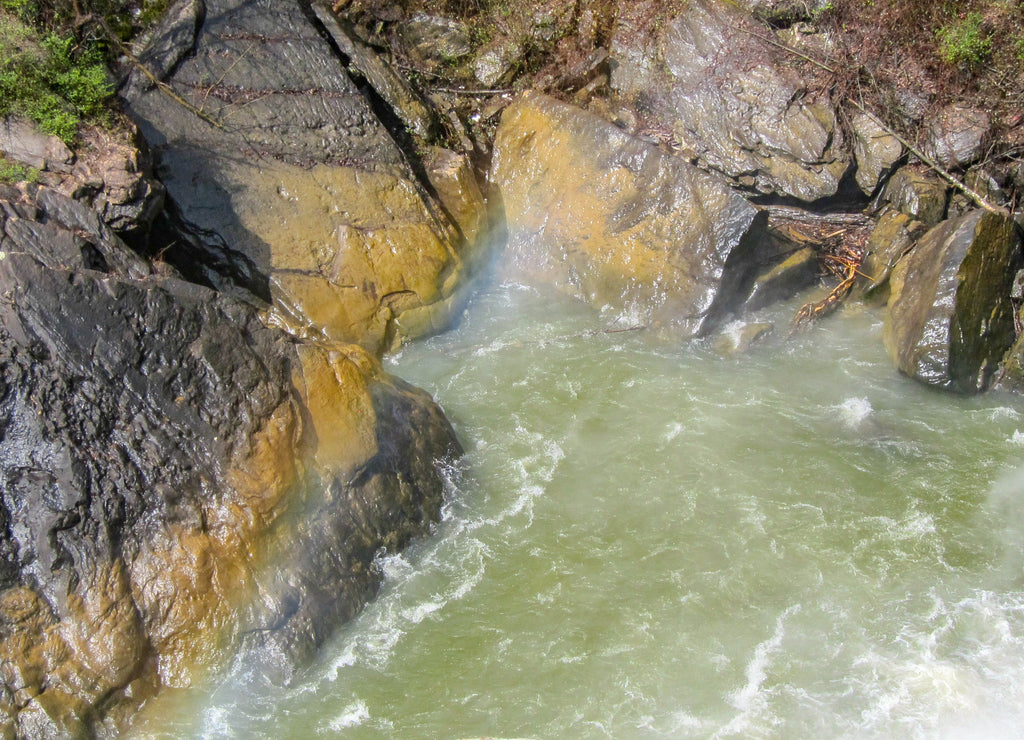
(51,80)
(964,43)
(16,172)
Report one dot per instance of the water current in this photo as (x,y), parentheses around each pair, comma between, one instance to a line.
(652,540)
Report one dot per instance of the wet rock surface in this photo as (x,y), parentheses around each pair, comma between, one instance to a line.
(720,92)
(177,479)
(279,162)
(950,318)
(619,222)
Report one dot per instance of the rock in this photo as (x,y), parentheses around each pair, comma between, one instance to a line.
(950,319)
(892,237)
(22,142)
(197,484)
(620,223)
(289,187)
(876,152)
(112,176)
(918,193)
(724,94)
(983,182)
(957,135)
(785,12)
(63,233)
(806,37)
(737,337)
(413,110)
(796,272)
(497,66)
(435,39)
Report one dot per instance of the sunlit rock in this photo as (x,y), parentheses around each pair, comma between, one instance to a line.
(619,222)
(918,193)
(286,183)
(876,152)
(722,93)
(950,319)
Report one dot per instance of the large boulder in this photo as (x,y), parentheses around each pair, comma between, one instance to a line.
(620,222)
(178,481)
(283,179)
(722,93)
(950,318)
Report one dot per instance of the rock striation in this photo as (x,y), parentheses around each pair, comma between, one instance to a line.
(284,181)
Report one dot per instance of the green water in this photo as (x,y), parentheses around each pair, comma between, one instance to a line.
(648,540)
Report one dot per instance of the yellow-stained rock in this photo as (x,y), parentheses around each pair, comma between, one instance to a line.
(620,222)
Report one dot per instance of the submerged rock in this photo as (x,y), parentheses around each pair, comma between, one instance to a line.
(178,480)
(722,94)
(619,222)
(285,181)
(950,319)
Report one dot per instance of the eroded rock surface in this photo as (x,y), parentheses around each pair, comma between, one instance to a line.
(950,319)
(176,479)
(279,164)
(619,222)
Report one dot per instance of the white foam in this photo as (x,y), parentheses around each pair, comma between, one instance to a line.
(853,411)
(352,716)
(674,430)
(750,699)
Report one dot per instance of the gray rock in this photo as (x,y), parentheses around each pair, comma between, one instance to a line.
(21,141)
(918,193)
(957,136)
(723,95)
(436,39)
(950,319)
(876,152)
(497,66)
(785,12)
(406,102)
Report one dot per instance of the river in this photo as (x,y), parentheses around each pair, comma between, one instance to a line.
(652,540)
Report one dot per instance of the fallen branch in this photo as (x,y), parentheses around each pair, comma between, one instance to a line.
(148,74)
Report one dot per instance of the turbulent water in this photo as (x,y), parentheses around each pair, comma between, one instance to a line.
(648,540)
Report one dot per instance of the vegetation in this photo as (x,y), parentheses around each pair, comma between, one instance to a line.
(50,79)
(16,172)
(52,58)
(965,41)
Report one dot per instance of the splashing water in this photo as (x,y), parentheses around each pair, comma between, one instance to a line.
(647,541)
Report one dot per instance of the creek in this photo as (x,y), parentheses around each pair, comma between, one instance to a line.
(650,540)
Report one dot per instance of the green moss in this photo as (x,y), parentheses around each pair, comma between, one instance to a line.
(52,80)
(965,43)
